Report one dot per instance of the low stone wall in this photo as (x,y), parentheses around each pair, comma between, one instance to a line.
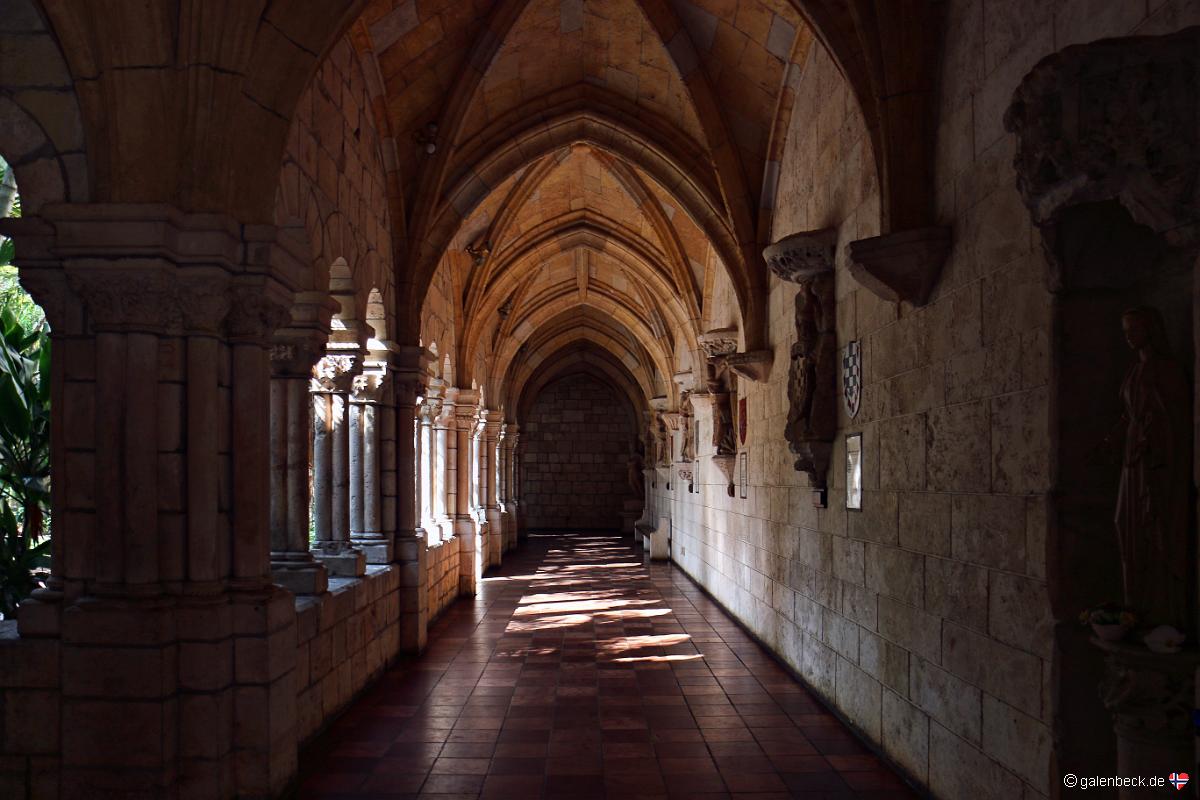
(29,696)
(345,639)
(442,568)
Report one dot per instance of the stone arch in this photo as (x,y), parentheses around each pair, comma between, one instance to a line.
(42,134)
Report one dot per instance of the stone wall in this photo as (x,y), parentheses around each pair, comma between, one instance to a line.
(924,618)
(442,561)
(345,639)
(575,445)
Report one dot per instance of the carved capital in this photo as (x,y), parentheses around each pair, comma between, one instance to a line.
(901,266)
(256,312)
(335,373)
(719,342)
(127,299)
(802,255)
(204,303)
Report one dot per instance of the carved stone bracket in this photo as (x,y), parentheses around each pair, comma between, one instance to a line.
(802,255)
(754,365)
(725,465)
(901,266)
(1112,120)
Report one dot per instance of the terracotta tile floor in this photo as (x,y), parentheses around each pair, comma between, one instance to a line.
(578,672)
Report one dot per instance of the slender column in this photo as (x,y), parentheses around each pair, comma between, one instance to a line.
(333,377)
(366,501)
(479,492)
(491,499)
(464,523)
(429,410)
(445,468)
(407,367)
(292,563)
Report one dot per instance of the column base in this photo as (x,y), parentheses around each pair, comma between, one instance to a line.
(341,560)
(377,551)
(310,579)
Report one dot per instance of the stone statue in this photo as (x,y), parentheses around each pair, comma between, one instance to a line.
(662,441)
(812,379)
(636,480)
(1154,500)
(724,436)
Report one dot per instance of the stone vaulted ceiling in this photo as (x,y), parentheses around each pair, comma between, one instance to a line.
(613,157)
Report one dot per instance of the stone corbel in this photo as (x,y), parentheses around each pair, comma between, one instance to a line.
(754,365)
(725,465)
(900,266)
(802,255)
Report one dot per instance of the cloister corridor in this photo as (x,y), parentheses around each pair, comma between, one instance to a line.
(579,672)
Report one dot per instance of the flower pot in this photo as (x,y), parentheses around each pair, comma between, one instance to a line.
(1114,632)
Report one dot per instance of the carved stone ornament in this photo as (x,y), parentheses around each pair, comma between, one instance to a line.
(901,266)
(1112,119)
(802,255)
(812,380)
(335,373)
(725,465)
(720,342)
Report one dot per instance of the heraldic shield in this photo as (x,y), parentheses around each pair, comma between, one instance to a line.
(852,379)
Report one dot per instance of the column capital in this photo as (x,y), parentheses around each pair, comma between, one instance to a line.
(336,373)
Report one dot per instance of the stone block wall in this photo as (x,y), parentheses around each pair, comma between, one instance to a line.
(29,696)
(344,640)
(924,618)
(442,565)
(575,445)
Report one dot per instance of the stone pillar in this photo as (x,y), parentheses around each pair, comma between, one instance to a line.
(292,564)
(492,425)
(366,495)
(161,393)
(429,410)
(512,438)
(407,381)
(464,522)
(332,382)
(479,491)
(445,442)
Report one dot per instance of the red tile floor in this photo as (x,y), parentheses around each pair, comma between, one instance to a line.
(578,672)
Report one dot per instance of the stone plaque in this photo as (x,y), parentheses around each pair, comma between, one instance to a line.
(854,457)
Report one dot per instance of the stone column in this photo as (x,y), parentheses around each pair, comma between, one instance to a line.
(332,383)
(479,491)
(492,426)
(464,522)
(366,496)
(445,442)
(505,446)
(407,381)
(161,393)
(292,564)
(429,410)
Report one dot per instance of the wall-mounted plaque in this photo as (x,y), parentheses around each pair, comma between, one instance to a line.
(742,467)
(854,456)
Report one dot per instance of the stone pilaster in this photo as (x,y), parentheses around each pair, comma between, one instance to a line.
(492,423)
(445,443)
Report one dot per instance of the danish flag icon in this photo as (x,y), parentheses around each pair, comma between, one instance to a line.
(1178,780)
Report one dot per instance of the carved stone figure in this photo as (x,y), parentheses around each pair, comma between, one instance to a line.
(812,414)
(1154,499)
(635,477)
(662,442)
